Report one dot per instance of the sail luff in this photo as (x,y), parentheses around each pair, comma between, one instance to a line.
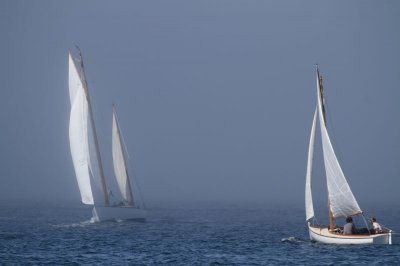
(95,139)
(119,160)
(341,199)
(308,193)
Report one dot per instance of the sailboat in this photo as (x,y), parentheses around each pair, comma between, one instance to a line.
(341,201)
(86,156)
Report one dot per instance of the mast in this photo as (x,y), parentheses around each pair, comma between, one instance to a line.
(123,156)
(96,142)
(321,89)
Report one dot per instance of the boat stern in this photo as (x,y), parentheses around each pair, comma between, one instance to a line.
(382,239)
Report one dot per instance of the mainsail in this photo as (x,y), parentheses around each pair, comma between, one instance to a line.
(341,199)
(120,169)
(309,201)
(83,140)
(78,133)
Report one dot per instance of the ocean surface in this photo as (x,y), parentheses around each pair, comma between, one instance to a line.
(36,234)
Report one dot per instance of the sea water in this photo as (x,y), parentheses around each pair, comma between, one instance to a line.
(38,234)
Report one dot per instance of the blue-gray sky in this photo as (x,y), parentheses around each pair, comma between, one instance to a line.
(215,98)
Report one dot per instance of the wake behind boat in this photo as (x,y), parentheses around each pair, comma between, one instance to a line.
(86,156)
(341,201)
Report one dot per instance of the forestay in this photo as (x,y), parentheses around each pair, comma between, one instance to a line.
(341,199)
(78,133)
(120,169)
(309,201)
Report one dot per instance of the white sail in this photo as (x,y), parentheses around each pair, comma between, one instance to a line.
(120,169)
(94,166)
(309,201)
(78,133)
(341,199)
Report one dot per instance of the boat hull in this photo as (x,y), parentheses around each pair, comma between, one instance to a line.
(323,235)
(109,213)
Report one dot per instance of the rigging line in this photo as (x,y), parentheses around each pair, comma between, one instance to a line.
(318,138)
(93,127)
(131,168)
(139,190)
(335,143)
(316,221)
(381,224)
(338,151)
(124,150)
(325,111)
(136,182)
(366,224)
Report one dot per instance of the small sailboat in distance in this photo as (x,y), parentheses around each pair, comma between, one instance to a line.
(86,156)
(341,201)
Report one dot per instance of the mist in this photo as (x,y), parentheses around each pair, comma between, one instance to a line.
(215,98)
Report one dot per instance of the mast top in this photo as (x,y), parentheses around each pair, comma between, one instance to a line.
(321,90)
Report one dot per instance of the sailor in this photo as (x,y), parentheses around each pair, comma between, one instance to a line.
(349,228)
(375,226)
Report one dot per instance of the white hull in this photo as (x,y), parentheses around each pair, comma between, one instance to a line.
(103,213)
(324,236)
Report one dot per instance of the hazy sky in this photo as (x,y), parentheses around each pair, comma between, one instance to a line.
(215,98)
